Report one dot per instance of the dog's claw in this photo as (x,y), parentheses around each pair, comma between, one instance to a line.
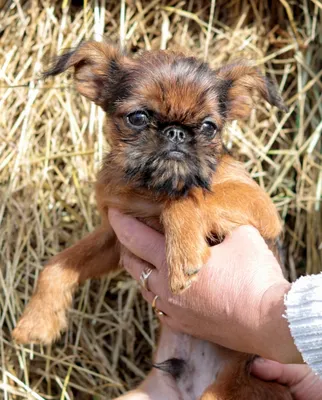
(184,269)
(179,287)
(193,270)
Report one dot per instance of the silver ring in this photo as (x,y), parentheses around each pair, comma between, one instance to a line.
(144,277)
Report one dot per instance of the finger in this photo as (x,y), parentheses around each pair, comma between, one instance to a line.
(244,237)
(141,240)
(266,369)
(247,241)
(159,303)
(273,371)
(246,234)
(156,282)
(164,307)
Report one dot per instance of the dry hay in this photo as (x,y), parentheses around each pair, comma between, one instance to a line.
(51,143)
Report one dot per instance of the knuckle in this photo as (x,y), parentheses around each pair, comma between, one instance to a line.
(174,300)
(125,236)
(127,262)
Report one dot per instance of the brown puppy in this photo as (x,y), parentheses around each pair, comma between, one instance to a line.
(168,167)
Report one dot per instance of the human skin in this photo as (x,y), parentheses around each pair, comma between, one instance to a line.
(301,380)
(237,300)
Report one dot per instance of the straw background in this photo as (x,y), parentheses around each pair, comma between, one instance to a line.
(52,141)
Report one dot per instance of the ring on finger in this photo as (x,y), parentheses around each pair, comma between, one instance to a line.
(159,313)
(154,302)
(144,277)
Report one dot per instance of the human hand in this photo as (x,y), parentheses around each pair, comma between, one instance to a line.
(301,380)
(237,300)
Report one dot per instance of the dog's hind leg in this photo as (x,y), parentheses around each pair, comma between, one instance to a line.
(45,316)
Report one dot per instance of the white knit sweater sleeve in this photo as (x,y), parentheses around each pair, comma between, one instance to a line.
(304,314)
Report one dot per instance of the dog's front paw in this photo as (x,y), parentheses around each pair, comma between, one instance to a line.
(184,266)
(40,324)
(177,285)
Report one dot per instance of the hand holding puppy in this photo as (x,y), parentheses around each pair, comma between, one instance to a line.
(304,384)
(237,301)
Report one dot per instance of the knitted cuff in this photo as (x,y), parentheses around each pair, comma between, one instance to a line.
(304,314)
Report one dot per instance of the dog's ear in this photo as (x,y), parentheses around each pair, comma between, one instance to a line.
(237,84)
(98,68)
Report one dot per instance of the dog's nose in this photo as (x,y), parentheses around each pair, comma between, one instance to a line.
(175,134)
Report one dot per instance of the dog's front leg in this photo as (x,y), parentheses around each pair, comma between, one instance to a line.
(45,316)
(187,250)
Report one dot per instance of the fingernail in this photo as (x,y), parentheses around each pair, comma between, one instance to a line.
(260,360)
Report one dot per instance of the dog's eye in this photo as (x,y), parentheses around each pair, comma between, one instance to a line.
(139,119)
(209,129)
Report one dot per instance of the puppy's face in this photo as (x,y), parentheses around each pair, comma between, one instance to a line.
(167,127)
(166,111)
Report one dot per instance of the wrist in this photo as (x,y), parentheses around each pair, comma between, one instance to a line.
(275,339)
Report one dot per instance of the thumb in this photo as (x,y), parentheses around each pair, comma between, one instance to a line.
(246,235)
(289,375)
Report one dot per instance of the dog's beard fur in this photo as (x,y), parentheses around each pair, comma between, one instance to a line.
(165,176)
(147,166)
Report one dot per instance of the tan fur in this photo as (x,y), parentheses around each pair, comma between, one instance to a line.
(246,79)
(188,222)
(45,316)
(90,63)
(233,383)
